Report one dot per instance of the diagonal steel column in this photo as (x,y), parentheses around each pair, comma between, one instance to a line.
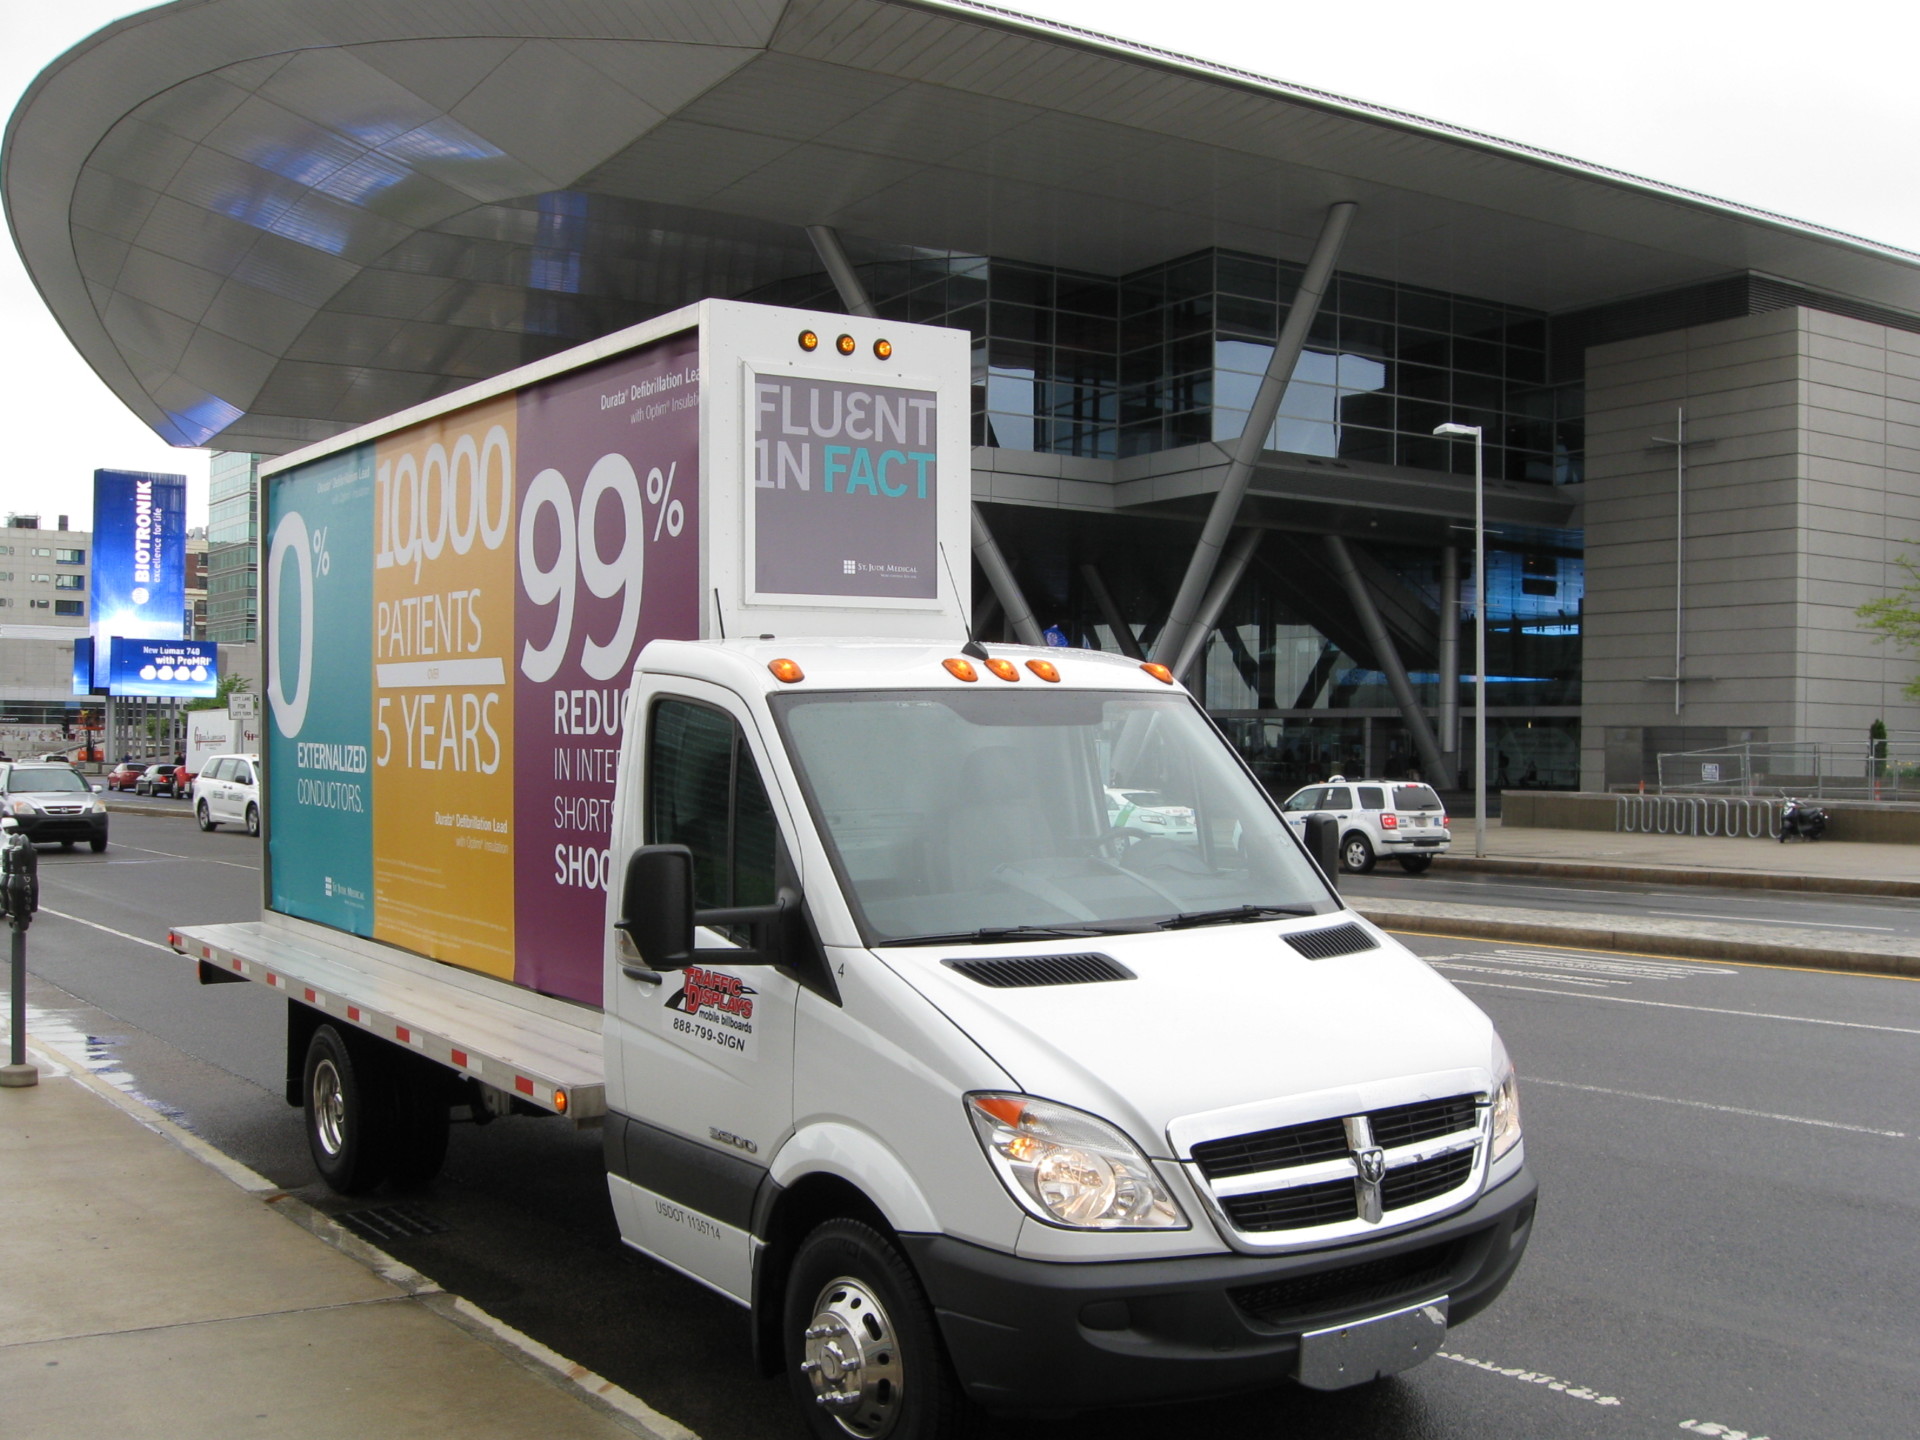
(1432,762)
(853,295)
(1246,450)
(1110,612)
(1232,569)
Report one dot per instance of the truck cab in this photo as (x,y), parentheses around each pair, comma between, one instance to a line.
(966,1090)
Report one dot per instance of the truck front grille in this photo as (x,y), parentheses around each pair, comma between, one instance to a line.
(1311,1177)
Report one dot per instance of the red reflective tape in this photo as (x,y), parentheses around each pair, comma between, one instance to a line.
(235,962)
(272,979)
(309,994)
(402,1034)
(460,1058)
(353,1012)
(523,1085)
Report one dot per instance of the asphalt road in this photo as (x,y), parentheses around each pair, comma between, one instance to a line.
(1793,912)
(1727,1158)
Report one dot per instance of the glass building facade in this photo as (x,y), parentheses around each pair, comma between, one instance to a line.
(233,548)
(1106,368)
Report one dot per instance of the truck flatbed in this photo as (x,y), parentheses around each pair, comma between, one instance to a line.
(544,1051)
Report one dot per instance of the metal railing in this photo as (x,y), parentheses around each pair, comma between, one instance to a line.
(1732,817)
(1863,770)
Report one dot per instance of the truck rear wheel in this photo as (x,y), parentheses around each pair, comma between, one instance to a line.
(863,1353)
(349,1121)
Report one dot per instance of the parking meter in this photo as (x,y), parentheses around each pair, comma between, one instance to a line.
(19,876)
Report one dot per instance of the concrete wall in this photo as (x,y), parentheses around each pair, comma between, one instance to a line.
(1805,488)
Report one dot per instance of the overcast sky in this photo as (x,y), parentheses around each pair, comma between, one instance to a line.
(1808,110)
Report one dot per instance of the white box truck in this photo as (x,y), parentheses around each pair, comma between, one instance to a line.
(629,760)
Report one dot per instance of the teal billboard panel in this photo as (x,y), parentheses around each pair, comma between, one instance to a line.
(319,563)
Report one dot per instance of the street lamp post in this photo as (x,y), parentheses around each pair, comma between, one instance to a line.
(1455,431)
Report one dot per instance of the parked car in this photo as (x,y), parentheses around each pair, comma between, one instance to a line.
(1147,812)
(227,791)
(161,780)
(52,803)
(1376,817)
(125,775)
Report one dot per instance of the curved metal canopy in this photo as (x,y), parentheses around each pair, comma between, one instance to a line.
(267,221)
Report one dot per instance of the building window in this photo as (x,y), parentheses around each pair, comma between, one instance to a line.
(6,574)
(42,551)
(39,604)
(69,607)
(70,557)
(40,579)
(5,603)
(69,582)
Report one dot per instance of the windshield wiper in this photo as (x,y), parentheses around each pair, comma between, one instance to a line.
(1233,915)
(993,934)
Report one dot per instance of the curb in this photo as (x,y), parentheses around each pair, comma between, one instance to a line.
(556,1369)
(1678,875)
(1602,933)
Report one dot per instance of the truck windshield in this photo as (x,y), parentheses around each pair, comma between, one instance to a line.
(968,815)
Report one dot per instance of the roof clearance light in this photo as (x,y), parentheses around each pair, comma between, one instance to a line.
(1005,669)
(883,349)
(1046,670)
(785,671)
(846,345)
(809,341)
(1159,672)
(961,669)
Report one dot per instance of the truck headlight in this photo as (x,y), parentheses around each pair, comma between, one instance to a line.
(1070,1168)
(1506,1112)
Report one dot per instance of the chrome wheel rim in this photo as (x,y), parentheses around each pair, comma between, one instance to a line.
(852,1360)
(329,1108)
(1356,855)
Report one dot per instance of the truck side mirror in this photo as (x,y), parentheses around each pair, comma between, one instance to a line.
(656,905)
(1323,843)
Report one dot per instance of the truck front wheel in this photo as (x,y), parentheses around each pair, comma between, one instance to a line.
(349,1126)
(863,1353)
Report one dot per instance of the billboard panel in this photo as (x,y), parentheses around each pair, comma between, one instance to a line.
(83,665)
(139,555)
(169,669)
(454,651)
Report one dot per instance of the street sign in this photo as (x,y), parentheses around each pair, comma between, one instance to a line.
(243,705)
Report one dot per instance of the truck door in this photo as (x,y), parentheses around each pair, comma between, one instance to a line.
(703,1085)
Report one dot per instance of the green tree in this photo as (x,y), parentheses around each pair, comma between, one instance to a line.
(229,684)
(1897,617)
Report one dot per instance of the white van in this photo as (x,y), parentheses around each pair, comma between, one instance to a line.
(227,792)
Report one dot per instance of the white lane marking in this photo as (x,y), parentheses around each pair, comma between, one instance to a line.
(1454,966)
(174,855)
(95,924)
(1714,1427)
(1532,1377)
(1756,920)
(1703,1009)
(1573,960)
(1722,1109)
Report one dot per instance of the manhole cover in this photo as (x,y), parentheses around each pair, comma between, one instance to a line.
(391,1222)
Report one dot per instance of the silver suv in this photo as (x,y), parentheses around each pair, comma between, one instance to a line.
(1404,819)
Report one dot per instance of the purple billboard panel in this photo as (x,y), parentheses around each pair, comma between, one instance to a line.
(608,486)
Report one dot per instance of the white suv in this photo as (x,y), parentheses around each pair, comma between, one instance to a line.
(227,791)
(1377,817)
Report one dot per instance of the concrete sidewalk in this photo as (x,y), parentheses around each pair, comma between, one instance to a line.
(152,1287)
(1823,867)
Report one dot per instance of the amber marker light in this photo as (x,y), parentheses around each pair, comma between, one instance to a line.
(785,671)
(809,341)
(560,1101)
(846,345)
(883,349)
(1046,670)
(1005,669)
(961,669)
(1159,672)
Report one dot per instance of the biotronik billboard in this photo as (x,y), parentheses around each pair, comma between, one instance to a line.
(139,561)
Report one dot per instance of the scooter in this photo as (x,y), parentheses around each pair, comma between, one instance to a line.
(1809,822)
